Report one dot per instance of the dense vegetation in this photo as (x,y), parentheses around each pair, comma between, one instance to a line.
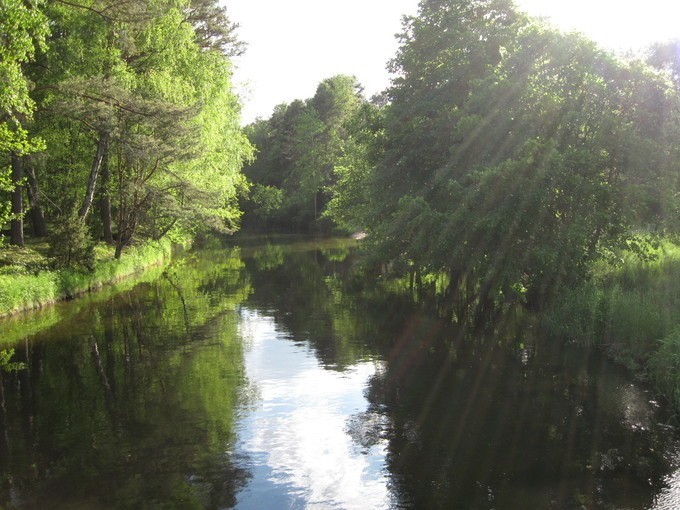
(125,108)
(631,311)
(301,148)
(28,281)
(506,156)
(507,163)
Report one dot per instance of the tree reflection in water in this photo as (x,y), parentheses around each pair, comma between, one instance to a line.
(270,376)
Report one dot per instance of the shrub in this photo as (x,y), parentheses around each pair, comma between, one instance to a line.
(71,244)
(665,367)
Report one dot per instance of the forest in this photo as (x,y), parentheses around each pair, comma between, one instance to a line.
(119,123)
(507,163)
(462,291)
(506,155)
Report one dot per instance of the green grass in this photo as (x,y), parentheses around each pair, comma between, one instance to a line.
(664,366)
(22,325)
(633,312)
(27,283)
(31,258)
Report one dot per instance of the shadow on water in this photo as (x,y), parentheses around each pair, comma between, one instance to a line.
(534,425)
(263,373)
(129,402)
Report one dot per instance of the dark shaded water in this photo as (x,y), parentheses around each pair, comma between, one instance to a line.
(263,376)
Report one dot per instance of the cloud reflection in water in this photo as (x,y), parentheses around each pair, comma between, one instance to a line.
(309,440)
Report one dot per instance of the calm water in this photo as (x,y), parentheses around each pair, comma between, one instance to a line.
(263,376)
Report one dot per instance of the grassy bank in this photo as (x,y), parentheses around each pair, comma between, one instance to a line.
(633,312)
(28,283)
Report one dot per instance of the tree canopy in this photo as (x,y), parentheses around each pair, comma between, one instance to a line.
(515,154)
(299,148)
(505,155)
(136,109)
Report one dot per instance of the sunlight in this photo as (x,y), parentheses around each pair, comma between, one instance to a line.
(298,435)
(615,24)
(301,42)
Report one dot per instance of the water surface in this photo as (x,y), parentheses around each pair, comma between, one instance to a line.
(258,374)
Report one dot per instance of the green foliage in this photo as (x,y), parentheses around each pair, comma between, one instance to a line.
(665,366)
(137,107)
(266,200)
(24,28)
(6,186)
(29,259)
(350,203)
(299,148)
(137,258)
(578,315)
(71,245)
(24,291)
(514,156)
(666,56)
(6,365)
(631,311)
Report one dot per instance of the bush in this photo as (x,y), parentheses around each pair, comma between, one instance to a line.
(632,311)
(26,291)
(71,245)
(665,367)
(579,315)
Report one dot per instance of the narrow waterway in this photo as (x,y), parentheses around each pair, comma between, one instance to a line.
(262,374)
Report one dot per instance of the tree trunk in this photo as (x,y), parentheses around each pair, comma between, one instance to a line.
(124,237)
(17,223)
(105,203)
(315,206)
(102,145)
(37,216)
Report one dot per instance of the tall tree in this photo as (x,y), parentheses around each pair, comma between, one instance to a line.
(666,56)
(298,149)
(142,91)
(17,221)
(444,51)
(350,203)
(213,28)
(37,217)
(513,153)
(24,28)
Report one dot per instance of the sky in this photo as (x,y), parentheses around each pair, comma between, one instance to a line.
(300,444)
(292,45)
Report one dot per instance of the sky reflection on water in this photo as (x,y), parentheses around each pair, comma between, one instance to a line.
(269,377)
(299,444)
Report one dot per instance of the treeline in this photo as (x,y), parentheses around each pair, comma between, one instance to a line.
(117,122)
(300,150)
(506,156)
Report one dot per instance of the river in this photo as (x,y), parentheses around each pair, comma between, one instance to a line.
(262,374)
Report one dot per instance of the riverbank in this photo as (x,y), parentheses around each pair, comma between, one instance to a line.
(632,312)
(168,374)
(28,283)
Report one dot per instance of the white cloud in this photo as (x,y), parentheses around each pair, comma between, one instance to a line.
(294,44)
(296,435)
